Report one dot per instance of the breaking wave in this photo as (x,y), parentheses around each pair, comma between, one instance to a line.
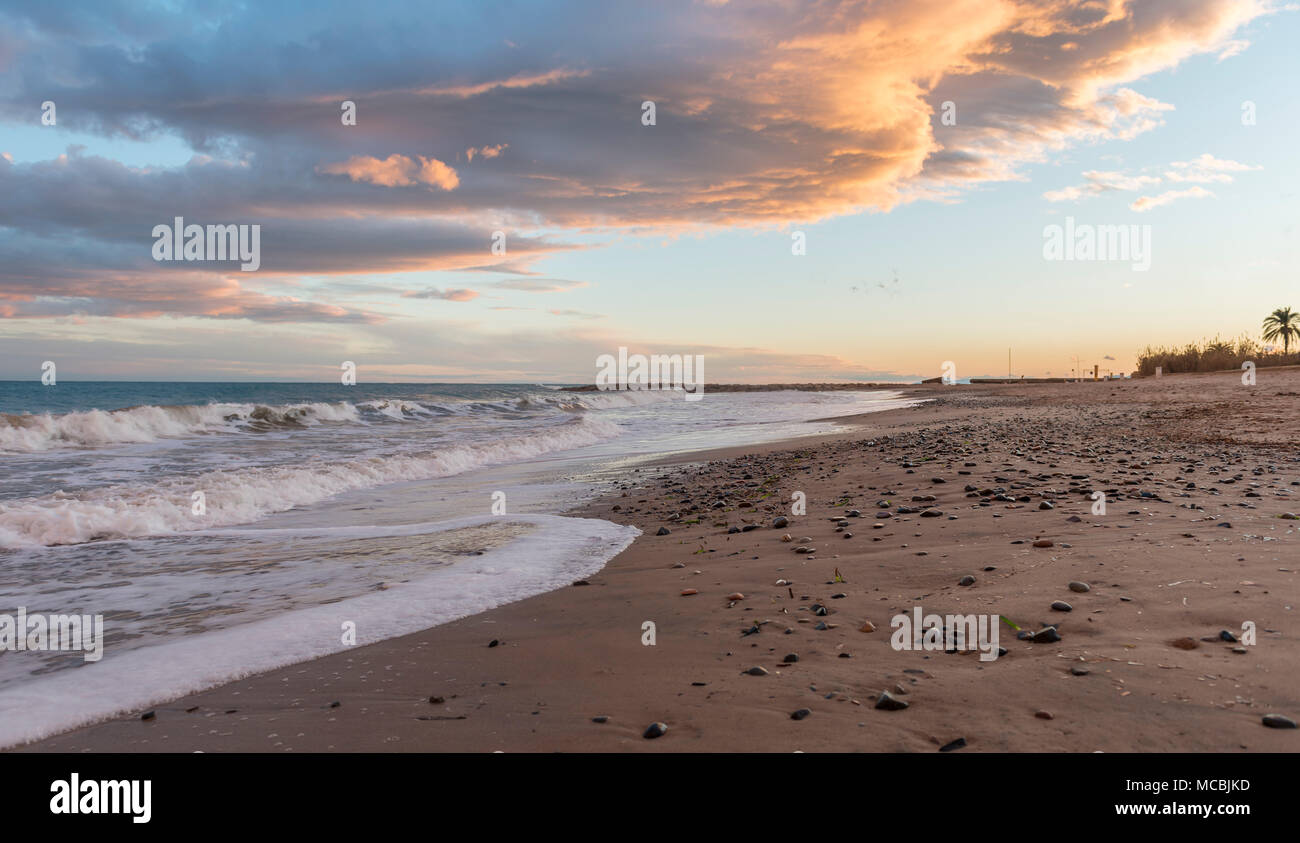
(241,496)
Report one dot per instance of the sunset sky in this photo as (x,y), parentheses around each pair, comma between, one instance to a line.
(924,240)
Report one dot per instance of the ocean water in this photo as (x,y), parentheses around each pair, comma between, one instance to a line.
(223,529)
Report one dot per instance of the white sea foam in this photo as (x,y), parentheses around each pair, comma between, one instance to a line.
(96,428)
(557,552)
(241,496)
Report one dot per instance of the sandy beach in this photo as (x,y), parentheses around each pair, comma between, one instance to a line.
(1199,474)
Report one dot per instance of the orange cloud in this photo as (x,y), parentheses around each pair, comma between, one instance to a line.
(395,171)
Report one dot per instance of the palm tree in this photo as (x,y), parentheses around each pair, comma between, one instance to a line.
(1282,324)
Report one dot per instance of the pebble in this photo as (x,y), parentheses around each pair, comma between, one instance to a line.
(867,626)
(600,719)
(663,531)
(1061,606)
(687,592)
(931,513)
(756,671)
(1277,721)
(888,703)
(1044,715)
(655,730)
(791,658)
(1043,543)
(1080,671)
(957,744)
(1080,587)
(780,521)
(966,580)
(801,714)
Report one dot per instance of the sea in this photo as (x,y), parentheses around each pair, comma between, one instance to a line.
(223,529)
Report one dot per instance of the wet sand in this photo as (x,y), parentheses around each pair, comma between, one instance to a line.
(1199,472)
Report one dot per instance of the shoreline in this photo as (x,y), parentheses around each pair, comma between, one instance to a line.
(576,653)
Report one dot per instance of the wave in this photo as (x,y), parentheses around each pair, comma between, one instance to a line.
(26,433)
(243,496)
(88,429)
(558,551)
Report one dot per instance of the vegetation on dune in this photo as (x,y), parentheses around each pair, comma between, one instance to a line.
(1281,327)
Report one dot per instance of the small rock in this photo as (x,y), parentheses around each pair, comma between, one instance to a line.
(756,671)
(600,719)
(655,730)
(1080,587)
(966,580)
(791,658)
(957,744)
(1061,606)
(1043,543)
(888,703)
(780,522)
(1277,721)
(801,714)
(663,531)
(1079,670)
(1043,715)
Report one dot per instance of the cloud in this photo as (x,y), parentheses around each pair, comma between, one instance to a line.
(540,285)
(485,151)
(395,171)
(576,314)
(767,112)
(1146,203)
(1205,168)
(444,295)
(1097,182)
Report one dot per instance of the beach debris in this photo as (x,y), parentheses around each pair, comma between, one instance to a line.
(867,626)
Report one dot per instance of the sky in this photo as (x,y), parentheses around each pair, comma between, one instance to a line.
(833,190)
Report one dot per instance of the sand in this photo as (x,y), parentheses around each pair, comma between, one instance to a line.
(1163,571)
